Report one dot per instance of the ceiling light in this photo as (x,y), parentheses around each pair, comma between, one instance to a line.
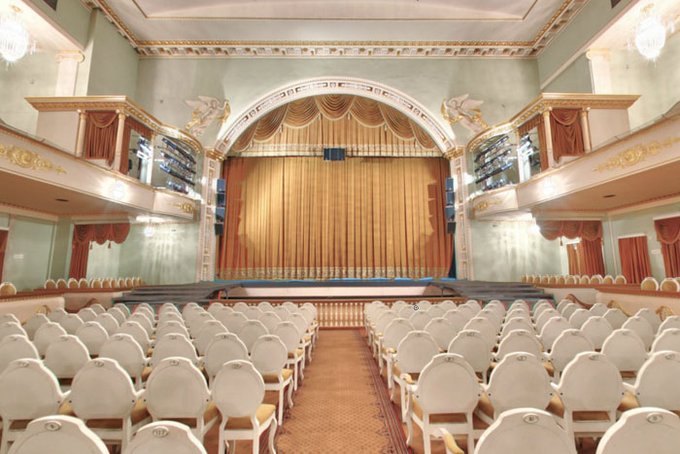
(15,41)
(650,34)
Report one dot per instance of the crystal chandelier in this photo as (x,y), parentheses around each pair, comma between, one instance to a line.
(650,34)
(15,41)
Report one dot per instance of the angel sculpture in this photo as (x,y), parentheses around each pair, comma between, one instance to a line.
(466,111)
(206,111)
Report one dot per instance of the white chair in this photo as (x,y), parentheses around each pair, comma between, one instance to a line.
(378,329)
(468,311)
(172,316)
(65,357)
(191,406)
(519,380)
(87,314)
(29,391)
(108,322)
(579,317)
(485,327)
(656,384)
(93,336)
(543,318)
(206,335)
(649,430)
(568,344)
(224,347)
(98,308)
(265,306)
(671,322)
(11,328)
(58,435)
(143,320)
(171,327)
(9,317)
(173,345)
(251,331)
(642,328)
(305,336)
(290,336)
(597,329)
(625,349)
(615,317)
(444,397)
(33,323)
(650,316)
(119,314)
(46,334)
(442,331)
(102,395)
(472,346)
(270,320)
(397,329)
(238,392)
(456,319)
(233,321)
(253,313)
(163,437)
(519,341)
(196,324)
(56,314)
(668,339)
(552,330)
(598,309)
(590,391)
(215,307)
(436,311)
(138,333)
(269,356)
(414,351)
(526,431)
(15,347)
(404,311)
(128,354)
(516,323)
(282,312)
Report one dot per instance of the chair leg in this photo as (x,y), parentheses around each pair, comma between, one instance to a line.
(470,434)
(4,444)
(272,435)
(290,395)
(256,443)
(409,429)
(280,409)
(427,443)
(221,446)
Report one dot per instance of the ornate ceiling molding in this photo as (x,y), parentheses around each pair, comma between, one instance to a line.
(352,49)
(327,85)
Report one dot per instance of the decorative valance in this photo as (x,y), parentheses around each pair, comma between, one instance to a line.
(100,135)
(84,234)
(567,137)
(667,230)
(586,230)
(321,111)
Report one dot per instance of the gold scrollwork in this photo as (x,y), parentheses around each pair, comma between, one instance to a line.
(486,204)
(186,207)
(454,153)
(636,154)
(28,159)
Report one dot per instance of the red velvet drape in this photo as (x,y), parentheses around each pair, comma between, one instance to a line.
(634,259)
(668,234)
(591,256)
(574,259)
(131,125)
(589,250)
(100,135)
(567,137)
(84,234)
(3,247)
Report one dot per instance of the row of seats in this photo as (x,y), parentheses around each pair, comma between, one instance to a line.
(72,283)
(556,279)
(485,337)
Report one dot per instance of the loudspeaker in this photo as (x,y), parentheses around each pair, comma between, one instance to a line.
(449,184)
(450,198)
(219,215)
(451,227)
(219,229)
(333,154)
(221,194)
(450,212)
(221,186)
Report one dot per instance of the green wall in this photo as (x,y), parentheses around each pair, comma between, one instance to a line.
(61,252)
(574,79)
(104,261)
(71,16)
(28,254)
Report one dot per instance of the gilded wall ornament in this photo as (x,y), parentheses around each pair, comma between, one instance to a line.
(186,207)
(206,111)
(465,111)
(486,204)
(28,159)
(636,154)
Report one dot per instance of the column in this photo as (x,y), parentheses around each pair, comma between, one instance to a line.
(600,70)
(67,72)
(212,170)
(548,138)
(80,141)
(119,140)
(585,129)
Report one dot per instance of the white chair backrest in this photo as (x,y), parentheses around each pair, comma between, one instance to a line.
(468,311)
(238,389)
(383,320)
(161,396)
(510,432)
(125,350)
(14,347)
(597,329)
(516,323)
(269,355)
(93,336)
(138,333)
(579,317)
(442,330)
(436,311)
(108,322)
(424,305)
(162,437)
(415,351)
(289,335)
(568,344)
(545,316)
(650,316)
(283,313)
(119,314)
(71,323)
(598,309)
(397,329)
(102,390)
(671,322)
(485,327)
(656,384)
(171,326)
(419,319)
(173,345)
(195,324)
(265,306)
(591,382)
(668,339)
(46,334)
(87,314)
(615,317)
(456,319)
(65,356)
(519,340)
(56,314)
(207,334)
(215,307)
(10,328)
(29,391)
(142,320)
(404,311)
(472,346)
(651,430)
(300,322)
(642,328)
(552,330)
(625,349)
(253,312)
(434,391)
(58,435)
(33,323)
(224,347)
(519,380)
(168,316)
(270,320)
(233,321)
(251,331)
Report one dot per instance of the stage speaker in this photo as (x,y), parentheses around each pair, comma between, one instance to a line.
(219,229)
(450,198)
(451,227)
(450,211)
(449,184)
(333,154)
(221,193)
(219,215)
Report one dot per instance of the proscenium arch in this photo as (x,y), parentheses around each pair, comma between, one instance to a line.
(443,138)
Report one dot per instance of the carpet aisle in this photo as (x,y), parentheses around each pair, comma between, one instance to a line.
(342,406)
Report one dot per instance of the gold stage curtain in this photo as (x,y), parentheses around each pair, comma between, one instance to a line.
(300,217)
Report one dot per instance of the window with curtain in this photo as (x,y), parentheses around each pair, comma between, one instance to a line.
(634,255)
(84,235)
(4,234)
(588,252)
(301,217)
(668,234)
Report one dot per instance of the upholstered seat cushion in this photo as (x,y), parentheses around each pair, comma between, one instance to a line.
(139,414)
(455,418)
(411,378)
(297,354)
(210,413)
(628,402)
(485,406)
(549,368)
(274,378)
(556,407)
(264,412)
(451,445)
(628,374)
(146,372)
(307,339)
(65,409)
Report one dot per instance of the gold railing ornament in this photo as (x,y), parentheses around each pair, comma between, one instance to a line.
(29,160)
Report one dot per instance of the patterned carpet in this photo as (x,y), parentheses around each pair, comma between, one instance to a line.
(342,407)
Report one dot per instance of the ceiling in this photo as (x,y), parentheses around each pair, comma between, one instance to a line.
(40,29)
(201,24)
(655,184)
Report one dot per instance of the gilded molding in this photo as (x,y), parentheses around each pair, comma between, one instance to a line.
(186,207)
(486,204)
(29,160)
(636,154)
(454,153)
